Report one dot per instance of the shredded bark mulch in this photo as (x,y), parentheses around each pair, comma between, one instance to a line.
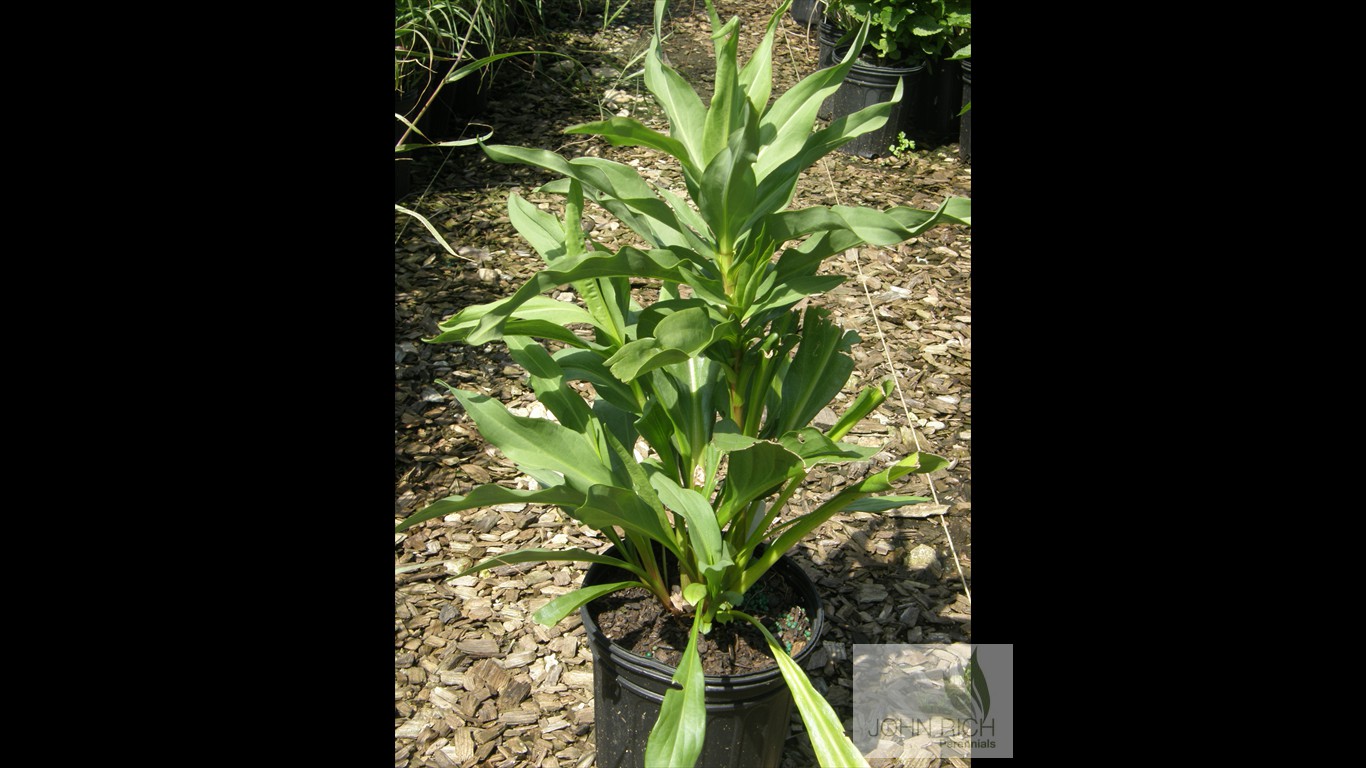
(477,681)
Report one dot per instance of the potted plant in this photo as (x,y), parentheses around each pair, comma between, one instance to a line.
(914,42)
(700,428)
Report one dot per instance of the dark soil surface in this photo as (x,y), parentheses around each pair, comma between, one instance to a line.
(636,620)
(477,681)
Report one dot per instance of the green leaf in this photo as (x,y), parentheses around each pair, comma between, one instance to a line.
(488,495)
(678,337)
(785,125)
(541,555)
(548,382)
(655,426)
(695,593)
(882,503)
(792,291)
(628,262)
(538,316)
(834,749)
(754,472)
(608,505)
(819,370)
(627,195)
(703,529)
(922,463)
(723,114)
(779,183)
(919,463)
(625,132)
(756,78)
(636,358)
(877,227)
(678,735)
(728,188)
(551,613)
(685,393)
(536,444)
(867,400)
(677,98)
(589,366)
(543,231)
(621,190)
(815,448)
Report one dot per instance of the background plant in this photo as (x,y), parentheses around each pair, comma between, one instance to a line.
(909,31)
(700,428)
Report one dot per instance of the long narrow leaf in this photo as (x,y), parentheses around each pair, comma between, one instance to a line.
(487,496)
(548,382)
(542,230)
(883,503)
(538,316)
(428,225)
(723,113)
(678,99)
(551,613)
(754,472)
(833,747)
(877,227)
(777,185)
(756,78)
(585,365)
(703,529)
(536,443)
(867,400)
(680,732)
(542,555)
(922,463)
(786,125)
(628,262)
(625,132)
(609,506)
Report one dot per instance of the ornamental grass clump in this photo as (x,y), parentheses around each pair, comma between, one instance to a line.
(715,383)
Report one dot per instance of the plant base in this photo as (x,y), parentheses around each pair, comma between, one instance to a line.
(747,715)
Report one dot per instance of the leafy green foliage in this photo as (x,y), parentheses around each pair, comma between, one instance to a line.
(909,31)
(701,428)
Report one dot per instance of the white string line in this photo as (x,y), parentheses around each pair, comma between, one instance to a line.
(887,355)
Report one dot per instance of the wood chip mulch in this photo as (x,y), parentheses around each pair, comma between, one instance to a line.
(476,681)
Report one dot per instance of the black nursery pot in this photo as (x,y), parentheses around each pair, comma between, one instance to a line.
(965,126)
(940,100)
(747,715)
(828,37)
(868,84)
(803,11)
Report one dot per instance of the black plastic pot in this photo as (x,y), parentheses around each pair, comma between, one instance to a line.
(965,122)
(747,715)
(803,11)
(941,98)
(403,178)
(868,84)
(828,38)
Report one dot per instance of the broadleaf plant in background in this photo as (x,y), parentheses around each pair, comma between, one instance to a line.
(700,428)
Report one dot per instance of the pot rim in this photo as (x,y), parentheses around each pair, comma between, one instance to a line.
(663,673)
